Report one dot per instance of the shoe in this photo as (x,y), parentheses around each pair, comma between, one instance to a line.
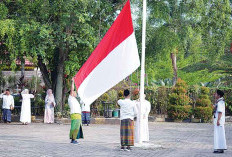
(122,148)
(218,151)
(128,148)
(75,142)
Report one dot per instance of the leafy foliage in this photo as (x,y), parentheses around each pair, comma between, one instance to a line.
(204,107)
(179,102)
(199,32)
(58,35)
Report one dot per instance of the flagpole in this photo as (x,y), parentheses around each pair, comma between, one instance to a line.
(142,67)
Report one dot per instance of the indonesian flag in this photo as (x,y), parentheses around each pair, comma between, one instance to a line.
(114,59)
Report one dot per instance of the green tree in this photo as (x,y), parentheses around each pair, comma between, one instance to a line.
(182,33)
(57,35)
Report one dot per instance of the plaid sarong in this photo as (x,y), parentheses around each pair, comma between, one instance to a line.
(127,132)
(76,127)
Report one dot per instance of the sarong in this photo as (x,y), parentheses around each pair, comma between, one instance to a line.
(76,131)
(6,116)
(85,117)
(219,137)
(127,132)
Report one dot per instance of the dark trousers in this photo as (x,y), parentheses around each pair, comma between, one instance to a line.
(85,117)
(6,117)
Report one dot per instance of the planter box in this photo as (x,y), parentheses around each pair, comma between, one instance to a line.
(228,118)
(62,120)
(169,120)
(33,118)
(186,120)
(195,120)
(178,121)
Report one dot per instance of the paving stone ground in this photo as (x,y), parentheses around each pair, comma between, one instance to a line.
(51,140)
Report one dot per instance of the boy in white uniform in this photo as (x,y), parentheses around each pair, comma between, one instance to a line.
(219,121)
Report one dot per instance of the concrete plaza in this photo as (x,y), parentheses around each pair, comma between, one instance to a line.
(51,140)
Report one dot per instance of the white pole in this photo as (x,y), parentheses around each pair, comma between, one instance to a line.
(142,68)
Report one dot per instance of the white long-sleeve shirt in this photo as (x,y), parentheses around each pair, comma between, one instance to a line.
(74,105)
(127,109)
(85,107)
(8,100)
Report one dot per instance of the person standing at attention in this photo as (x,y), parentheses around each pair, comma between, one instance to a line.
(127,114)
(219,122)
(146,108)
(76,131)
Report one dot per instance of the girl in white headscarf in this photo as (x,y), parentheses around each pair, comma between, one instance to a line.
(25,116)
(49,107)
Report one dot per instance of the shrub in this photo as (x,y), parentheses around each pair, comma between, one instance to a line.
(183,100)
(205,90)
(179,101)
(203,97)
(173,98)
(204,107)
(181,83)
(66,111)
(162,100)
(179,90)
(179,95)
(203,113)
(179,112)
(105,97)
(203,102)
(120,94)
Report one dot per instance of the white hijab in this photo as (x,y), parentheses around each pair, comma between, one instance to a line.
(25,91)
(50,96)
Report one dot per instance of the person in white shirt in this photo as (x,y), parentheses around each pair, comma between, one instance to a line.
(76,131)
(8,105)
(25,116)
(127,114)
(85,114)
(146,108)
(219,121)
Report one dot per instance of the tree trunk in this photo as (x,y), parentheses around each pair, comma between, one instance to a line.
(22,74)
(22,67)
(44,72)
(55,62)
(64,94)
(174,66)
(60,80)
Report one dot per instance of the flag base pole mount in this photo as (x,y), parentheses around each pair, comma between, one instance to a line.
(147,145)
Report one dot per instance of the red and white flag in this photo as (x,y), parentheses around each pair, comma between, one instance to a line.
(114,59)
